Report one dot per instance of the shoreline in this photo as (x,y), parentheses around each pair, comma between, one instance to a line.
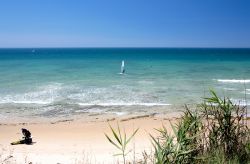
(89,116)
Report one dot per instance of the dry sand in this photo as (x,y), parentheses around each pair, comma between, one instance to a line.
(77,141)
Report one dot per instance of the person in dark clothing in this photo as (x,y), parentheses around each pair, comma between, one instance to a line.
(26,138)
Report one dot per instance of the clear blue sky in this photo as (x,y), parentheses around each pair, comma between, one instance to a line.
(124,23)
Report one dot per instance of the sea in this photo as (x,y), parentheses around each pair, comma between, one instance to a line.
(62,82)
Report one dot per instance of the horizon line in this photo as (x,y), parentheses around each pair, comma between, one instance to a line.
(125,47)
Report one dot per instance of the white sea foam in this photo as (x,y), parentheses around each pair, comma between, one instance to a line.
(230,89)
(119,113)
(90,111)
(247,92)
(22,99)
(25,102)
(41,95)
(233,81)
(240,102)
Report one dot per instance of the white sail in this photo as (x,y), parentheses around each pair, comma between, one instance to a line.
(123,67)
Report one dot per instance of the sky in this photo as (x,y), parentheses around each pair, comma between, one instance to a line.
(125,23)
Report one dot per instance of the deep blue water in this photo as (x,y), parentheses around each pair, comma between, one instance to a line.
(222,54)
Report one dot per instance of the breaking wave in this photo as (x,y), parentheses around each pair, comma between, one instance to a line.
(233,81)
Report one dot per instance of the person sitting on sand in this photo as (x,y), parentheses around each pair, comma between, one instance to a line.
(26,138)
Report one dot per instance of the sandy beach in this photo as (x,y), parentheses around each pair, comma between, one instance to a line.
(124,82)
(78,141)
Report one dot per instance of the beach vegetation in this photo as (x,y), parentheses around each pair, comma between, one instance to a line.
(225,128)
(213,133)
(183,145)
(120,141)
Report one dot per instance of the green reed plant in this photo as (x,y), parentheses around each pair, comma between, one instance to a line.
(224,127)
(183,146)
(120,141)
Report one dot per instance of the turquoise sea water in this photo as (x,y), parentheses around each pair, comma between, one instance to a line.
(58,82)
